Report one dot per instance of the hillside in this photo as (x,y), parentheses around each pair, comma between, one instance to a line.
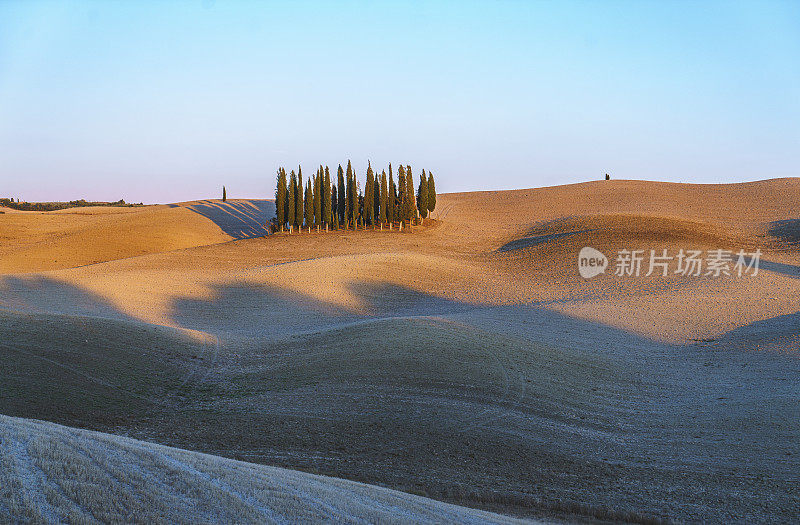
(468,361)
(52,474)
(41,241)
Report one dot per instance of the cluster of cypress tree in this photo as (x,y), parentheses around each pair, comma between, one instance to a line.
(343,204)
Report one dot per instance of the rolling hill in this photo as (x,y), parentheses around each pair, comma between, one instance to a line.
(468,361)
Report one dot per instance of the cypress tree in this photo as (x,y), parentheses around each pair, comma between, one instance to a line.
(422,195)
(401,213)
(334,205)
(383,197)
(224,196)
(309,198)
(286,215)
(348,201)
(431,192)
(391,206)
(350,195)
(359,200)
(353,195)
(411,202)
(318,198)
(292,200)
(280,198)
(369,196)
(312,220)
(376,200)
(299,205)
(341,202)
(326,194)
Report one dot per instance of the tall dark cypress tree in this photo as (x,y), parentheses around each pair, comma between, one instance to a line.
(360,203)
(376,199)
(391,206)
(318,197)
(335,205)
(292,200)
(369,196)
(348,200)
(431,192)
(401,213)
(422,195)
(280,198)
(350,196)
(309,198)
(341,200)
(383,198)
(224,195)
(411,204)
(299,205)
(326,194)
(287,215)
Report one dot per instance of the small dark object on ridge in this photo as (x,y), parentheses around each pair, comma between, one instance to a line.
(608,177)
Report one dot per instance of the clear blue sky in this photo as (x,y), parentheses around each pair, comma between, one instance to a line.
(166,101)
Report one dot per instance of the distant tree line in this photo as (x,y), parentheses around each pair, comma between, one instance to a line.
(53,206)
(341,203)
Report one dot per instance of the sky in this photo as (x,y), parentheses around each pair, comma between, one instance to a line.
(166,101)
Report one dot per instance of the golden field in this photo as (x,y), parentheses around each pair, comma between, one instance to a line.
(467,361)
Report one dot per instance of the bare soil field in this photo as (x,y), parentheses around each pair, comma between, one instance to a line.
(468,362)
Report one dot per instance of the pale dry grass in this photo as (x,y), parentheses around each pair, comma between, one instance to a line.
(54,474)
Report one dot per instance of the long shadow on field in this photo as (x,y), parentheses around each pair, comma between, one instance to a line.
(515,407)
(535,240)
(781,333)
(70,357)
(38,294)
(270,312)
(787,230)
(786,269)
(427,394)
(241,219)
(258,311)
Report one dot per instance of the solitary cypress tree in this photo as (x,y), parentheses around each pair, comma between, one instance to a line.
(299,205)
(431,192)
(369,196)
(341,201)
(280,198)
(391,206)
(383,197)
(422,195)
(326,194)
(309,197)
(411,205)
(291,216)
(224,196)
